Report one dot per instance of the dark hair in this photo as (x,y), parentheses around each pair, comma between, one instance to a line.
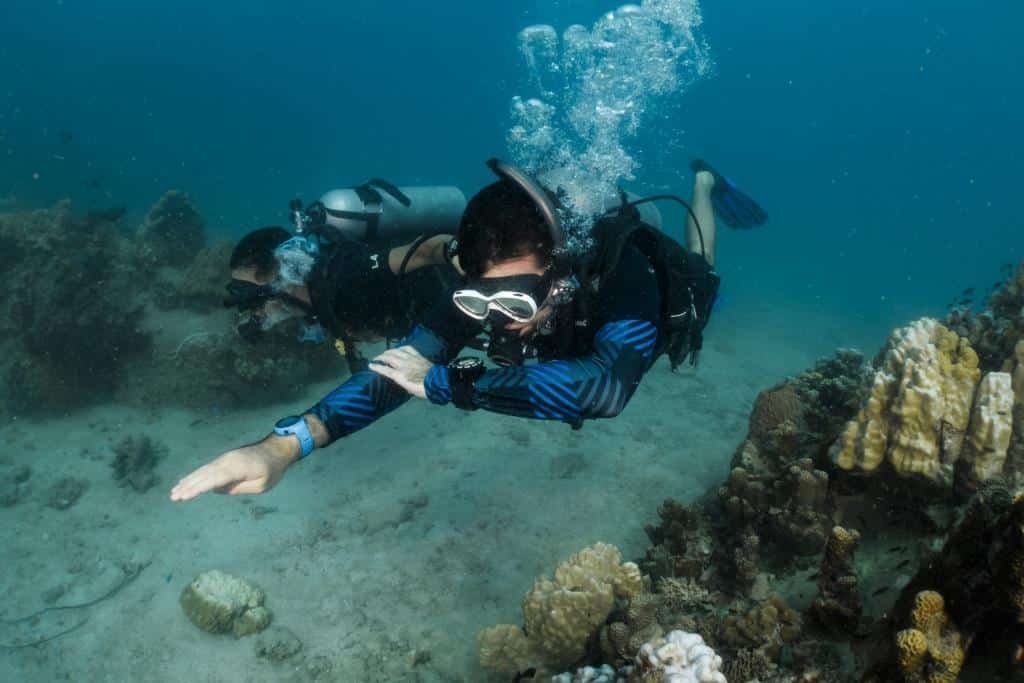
(257,249)
(501,222)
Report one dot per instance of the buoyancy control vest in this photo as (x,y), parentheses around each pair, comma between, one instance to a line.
(688,286)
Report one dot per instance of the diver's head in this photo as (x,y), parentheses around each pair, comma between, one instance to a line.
(506,249)
(267,287)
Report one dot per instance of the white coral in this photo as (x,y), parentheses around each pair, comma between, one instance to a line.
(681,657)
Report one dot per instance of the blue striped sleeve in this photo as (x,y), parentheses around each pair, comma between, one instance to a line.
(367,396)
(595,386)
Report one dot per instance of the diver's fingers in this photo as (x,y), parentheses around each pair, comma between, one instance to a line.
(389,358)
(207,478)
(393,374)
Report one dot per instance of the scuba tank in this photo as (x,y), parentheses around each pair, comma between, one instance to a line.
(649,212)
(378,211)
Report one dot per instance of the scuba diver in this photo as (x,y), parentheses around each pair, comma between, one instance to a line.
(595,324)
(339,272)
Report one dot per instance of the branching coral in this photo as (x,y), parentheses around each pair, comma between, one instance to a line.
(838,606)
(931,650)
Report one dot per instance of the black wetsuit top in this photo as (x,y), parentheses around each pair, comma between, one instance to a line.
(596,381)
(356,295)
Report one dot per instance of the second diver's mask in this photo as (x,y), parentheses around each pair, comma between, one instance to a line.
(261,307)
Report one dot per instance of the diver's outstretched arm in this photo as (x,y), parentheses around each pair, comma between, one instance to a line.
(361,400)
(705,212)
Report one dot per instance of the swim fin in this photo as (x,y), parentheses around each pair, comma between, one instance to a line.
(731,204)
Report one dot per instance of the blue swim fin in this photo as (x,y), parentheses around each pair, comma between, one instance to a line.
(732,205)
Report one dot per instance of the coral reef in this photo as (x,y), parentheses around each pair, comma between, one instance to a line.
(988,435)
(200,284)
(173,231)
(135,458)
(767,626)
(69,313)
(748,665)
(782,502)
(917,416)
(994,332)
(563,614)
(837,607)
(923,452)
(682,543)
(832,392)
(92,316)
(679,657)
(931,650)
(218,602)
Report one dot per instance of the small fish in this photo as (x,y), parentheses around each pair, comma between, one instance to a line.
(903,564)
(967,292)
(814,577)
(525,675)
(897,548)
(200,421)
(880,590)
(66,138)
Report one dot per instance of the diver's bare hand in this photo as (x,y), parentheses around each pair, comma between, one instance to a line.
(406,367)
(243,471)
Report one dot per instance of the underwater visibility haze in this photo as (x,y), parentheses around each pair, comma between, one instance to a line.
(232,223)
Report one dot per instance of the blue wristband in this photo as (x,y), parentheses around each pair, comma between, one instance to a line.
(295,425)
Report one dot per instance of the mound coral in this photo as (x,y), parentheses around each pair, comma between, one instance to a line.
(919,408)
(768,626)
(218,602)
(679,657)
(561,615)
(988,438)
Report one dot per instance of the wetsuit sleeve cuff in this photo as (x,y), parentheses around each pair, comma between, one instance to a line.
(437,385)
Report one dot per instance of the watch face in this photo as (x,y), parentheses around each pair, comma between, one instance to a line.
(286,422)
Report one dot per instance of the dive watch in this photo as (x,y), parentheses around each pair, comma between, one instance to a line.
(462,375)
(295,425)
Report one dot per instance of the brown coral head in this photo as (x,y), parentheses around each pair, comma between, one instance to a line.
(772,408)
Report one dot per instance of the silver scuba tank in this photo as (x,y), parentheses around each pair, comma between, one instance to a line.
(380,211)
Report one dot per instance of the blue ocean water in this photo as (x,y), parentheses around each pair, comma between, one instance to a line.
(882,137)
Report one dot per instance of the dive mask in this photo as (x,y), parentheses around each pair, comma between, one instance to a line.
(517,297)
(245,295)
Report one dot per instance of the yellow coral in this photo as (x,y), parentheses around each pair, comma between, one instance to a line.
(990,429)
(943,653)
(561,615)
(505,649)
(918,408)
(840,546)
(911,648)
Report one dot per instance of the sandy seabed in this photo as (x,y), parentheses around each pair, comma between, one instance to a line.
(384,554)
